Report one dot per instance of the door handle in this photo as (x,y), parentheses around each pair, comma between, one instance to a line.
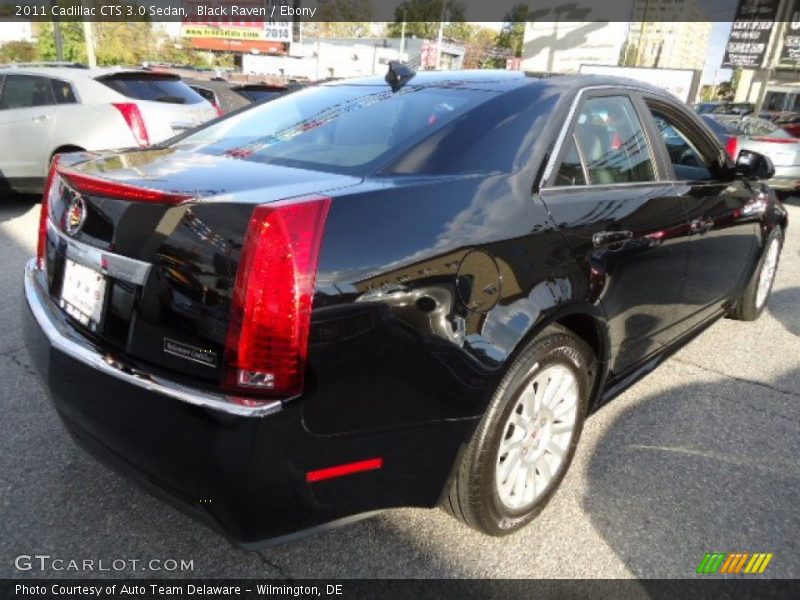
(609,238)
(701,226)
(41,118)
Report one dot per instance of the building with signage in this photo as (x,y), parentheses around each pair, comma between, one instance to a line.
(352,57)
(770,75)
(562,47)
(419,53)
(204,31)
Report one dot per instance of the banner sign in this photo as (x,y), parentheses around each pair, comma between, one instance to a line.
(753,24)
(790,53)
(217,19)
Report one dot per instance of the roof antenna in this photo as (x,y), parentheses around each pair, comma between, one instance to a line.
(398,75)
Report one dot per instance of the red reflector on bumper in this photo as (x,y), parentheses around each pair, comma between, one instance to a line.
(346,469)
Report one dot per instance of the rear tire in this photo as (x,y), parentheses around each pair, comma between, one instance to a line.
(755,297)
(525,442)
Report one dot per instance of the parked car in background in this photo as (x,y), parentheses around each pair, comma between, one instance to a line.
(385,292)
(789,122)
(724,108)
(47,110)
(228,96)
(762,136)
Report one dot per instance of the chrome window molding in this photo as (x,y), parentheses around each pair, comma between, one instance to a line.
(63,339)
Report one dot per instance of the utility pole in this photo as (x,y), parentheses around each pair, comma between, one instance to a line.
(441,35)
(403,36)
(88,36)
(59,41)
(640,49)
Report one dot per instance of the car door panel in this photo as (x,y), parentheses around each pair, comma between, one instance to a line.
(631,237)
(638,281)
(26,117)
(718,208)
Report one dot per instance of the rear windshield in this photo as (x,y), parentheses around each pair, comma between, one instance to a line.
(342,128)
(157,88)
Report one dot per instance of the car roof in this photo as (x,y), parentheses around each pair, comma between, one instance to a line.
(501,80)
(71,73)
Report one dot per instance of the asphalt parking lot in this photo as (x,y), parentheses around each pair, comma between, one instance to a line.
(703,455)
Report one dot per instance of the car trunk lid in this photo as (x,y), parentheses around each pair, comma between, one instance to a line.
(169,257)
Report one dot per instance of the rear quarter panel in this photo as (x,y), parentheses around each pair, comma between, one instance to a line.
(91,127)
(425,291)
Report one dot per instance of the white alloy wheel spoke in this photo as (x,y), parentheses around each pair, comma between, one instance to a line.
(767,275)
(563,427)
(555,449)
(544,468)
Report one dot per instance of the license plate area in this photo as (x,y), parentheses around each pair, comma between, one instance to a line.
(83,294)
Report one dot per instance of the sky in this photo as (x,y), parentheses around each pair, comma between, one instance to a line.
(716,49)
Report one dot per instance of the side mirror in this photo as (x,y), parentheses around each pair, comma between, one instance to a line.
(754,165)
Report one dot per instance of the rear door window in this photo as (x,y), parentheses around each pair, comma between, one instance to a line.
(62,91)
(610,144)
(571,171)
(25,91)
(153,87)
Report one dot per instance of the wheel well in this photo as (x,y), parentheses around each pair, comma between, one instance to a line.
(67,148)
(588,329)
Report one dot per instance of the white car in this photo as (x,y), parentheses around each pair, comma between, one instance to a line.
(48,110)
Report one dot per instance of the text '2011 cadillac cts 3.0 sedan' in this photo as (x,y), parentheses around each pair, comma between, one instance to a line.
(380,293)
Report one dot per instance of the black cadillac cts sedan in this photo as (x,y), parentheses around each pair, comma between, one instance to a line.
(380,293)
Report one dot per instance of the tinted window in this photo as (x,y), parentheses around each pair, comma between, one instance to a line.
(340,128)
(571,170)
(687,161)
(612,143)
(715,126)
(704,108)
(256,95)
(154,87)
(24,91)
(62,91)
(206,93)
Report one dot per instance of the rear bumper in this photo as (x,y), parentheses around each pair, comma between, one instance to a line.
(243,474)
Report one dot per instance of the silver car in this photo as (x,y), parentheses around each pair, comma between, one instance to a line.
(48,110)
(764,137)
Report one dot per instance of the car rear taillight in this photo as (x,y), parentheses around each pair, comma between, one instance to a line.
(732,147)
(267,342)
(49,188)
(133,117)
(217,108)
(97,186)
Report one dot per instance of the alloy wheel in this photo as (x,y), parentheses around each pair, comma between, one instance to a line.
(767,276)
(536,437)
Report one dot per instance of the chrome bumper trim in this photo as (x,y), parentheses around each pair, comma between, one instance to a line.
(73,344)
